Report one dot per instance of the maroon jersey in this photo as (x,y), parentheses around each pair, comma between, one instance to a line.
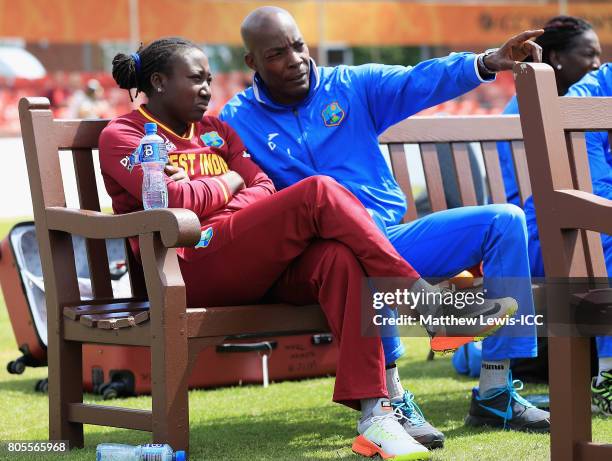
(209,149)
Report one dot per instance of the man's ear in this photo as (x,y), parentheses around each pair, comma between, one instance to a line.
(249,61)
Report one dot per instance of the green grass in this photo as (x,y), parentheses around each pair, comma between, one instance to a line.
(287,421)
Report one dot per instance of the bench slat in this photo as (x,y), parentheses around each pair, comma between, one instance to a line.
(86,179)
(494,175)
(75,312)
(137,281)
(76,134)
(463,172)
(255,319)
(454,129)
(399,164)
(104,415)
(521,170)
(433,177)
(139,335)
(89,200)
(578,113)
(579,162)
(115,320)
(97,260)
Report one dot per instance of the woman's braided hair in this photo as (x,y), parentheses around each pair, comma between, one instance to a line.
(130,71)
(560,33)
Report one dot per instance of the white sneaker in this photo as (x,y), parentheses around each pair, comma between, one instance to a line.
(382,434)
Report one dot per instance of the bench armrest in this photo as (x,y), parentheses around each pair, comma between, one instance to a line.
(178,226)
(583,210)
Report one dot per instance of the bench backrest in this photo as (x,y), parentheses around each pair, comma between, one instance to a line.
(483,131)
(44,137)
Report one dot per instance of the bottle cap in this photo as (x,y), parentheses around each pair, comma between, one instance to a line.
(150,128)
(180,456)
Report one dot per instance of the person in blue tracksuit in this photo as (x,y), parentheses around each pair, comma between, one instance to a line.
(571,47)
(599,83)
(299,120)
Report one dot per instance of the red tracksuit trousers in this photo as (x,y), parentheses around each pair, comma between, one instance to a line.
(312,242)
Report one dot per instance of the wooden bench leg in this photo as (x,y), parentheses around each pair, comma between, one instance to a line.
(169,346)
(170,399)
(570,396)
(64,358)
(65,361)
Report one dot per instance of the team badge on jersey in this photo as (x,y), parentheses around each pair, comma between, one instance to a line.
(205,238)
(333,114)
(212,139)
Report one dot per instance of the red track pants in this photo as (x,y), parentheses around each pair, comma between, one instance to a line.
(312,242)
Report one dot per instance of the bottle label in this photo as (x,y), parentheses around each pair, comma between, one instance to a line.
(151,153)
(152,452)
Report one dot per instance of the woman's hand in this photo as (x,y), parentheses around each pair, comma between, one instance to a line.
(176,173)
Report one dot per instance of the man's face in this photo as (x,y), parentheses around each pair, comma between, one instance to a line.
(282,60)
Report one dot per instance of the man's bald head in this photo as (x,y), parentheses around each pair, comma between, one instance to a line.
(263,22)
(277,52)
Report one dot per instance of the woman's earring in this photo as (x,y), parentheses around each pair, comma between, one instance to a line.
(559,67)
(159,90)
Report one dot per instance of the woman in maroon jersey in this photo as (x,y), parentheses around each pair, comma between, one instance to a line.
(312,242)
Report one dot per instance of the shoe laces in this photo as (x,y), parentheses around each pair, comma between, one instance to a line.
(512,388)
(605,384)
(607,378)
(410,409)
(388,425)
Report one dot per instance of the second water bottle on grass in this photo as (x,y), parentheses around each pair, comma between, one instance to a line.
(149,452)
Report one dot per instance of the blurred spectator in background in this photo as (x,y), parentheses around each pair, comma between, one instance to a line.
(90,102)
(56,91)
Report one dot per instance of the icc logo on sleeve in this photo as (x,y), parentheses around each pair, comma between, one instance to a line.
(205,238)
(212,139)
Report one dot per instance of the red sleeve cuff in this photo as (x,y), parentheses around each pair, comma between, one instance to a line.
(227,194)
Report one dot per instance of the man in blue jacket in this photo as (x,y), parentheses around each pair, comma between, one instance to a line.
(300,120)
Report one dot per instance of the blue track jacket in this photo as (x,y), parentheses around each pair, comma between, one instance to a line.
(597,83)
(334,130)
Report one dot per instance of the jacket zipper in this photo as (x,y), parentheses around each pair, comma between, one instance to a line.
(312,160)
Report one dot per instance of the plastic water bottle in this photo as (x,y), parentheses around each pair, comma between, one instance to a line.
(153,158)
(149,452)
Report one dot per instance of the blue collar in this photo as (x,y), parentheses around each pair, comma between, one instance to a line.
(262,95)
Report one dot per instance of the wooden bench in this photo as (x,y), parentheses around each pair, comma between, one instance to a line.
(570,219)
(156,314)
